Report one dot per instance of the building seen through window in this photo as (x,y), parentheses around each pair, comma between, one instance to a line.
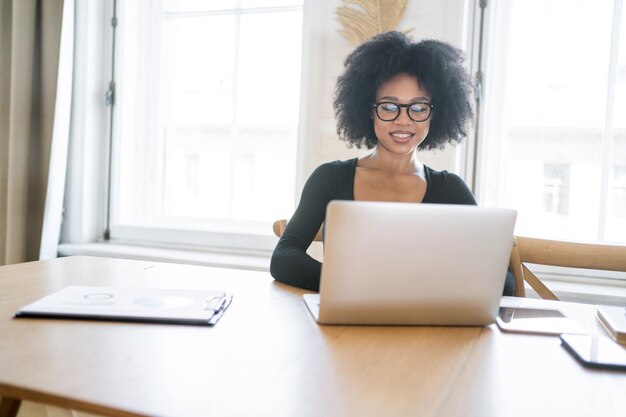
(554,126)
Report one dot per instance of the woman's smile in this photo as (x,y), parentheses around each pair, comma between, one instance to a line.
(401,136)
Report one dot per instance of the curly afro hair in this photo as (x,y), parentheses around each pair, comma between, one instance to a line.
(438,66)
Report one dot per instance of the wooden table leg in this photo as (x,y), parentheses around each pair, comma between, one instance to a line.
(9,407)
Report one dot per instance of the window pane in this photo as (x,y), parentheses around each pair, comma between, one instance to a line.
(198,88)
(545,124)
(187,6)
(190,6)
(616,208)
(266,3)
(267,113)
(206,117)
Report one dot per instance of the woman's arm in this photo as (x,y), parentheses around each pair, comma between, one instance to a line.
(448,188)
(290,263)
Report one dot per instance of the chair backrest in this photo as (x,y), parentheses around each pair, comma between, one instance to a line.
(543,252)
(560,253)
(280,225)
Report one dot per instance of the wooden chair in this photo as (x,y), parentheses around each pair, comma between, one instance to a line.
(560,253)
(543,252)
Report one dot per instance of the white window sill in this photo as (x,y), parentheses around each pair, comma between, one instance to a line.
(254,261)
(581,289)
(584,290)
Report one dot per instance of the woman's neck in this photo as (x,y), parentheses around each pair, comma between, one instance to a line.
(392,164)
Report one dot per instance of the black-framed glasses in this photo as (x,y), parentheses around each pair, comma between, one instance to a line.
(388,111)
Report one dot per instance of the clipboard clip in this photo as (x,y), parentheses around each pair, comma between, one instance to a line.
(215,303)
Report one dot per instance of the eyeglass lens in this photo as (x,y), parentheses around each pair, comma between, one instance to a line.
(418,112)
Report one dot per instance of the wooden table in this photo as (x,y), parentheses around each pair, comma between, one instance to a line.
(268,357)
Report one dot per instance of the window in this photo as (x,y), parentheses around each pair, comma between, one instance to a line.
(552,131)
(618,195)
(205,120)
(556,189)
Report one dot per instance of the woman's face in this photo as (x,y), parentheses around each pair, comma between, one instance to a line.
(402,135)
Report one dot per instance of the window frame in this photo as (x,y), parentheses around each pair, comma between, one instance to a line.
(256,241)
(492,25)
(484,27)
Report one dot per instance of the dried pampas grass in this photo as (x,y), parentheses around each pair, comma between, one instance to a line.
(362,19)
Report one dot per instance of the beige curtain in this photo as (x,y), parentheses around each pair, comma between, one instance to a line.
(30,32)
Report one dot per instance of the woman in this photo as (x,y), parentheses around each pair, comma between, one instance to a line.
(394,97)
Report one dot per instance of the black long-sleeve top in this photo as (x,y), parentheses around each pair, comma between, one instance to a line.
(335,181)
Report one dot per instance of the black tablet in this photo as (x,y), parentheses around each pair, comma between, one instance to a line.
(596,351)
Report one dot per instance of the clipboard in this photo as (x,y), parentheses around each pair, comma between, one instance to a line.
(149,305)
(536,320)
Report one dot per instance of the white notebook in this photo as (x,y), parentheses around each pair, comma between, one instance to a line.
(131,304)
(613,318)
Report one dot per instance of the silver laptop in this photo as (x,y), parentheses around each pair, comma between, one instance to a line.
(178,306)
(412,264)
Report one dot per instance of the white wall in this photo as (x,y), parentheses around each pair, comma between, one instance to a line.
(442,19)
